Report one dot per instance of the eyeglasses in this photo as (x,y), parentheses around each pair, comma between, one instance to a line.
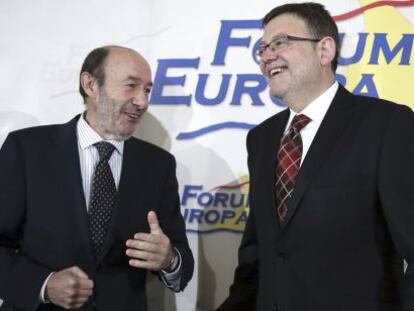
(280,43)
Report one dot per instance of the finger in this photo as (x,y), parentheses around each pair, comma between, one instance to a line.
(149,265)
(83,293)
(153,223)
(78,289)
(142,255)
(85,284)
(77,305)
(142,245)
(80,296)
(149,238)
(76,298)
(79,302)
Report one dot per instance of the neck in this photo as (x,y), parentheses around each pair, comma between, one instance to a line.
(298,102)
(97,128)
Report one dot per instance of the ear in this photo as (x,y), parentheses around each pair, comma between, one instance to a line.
(327,51)
(89,84)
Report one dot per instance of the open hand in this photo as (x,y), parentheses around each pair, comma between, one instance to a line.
(152,250)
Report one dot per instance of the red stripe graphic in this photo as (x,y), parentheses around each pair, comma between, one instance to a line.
(371,6)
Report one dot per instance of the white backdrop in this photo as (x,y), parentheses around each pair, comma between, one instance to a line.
(208,92)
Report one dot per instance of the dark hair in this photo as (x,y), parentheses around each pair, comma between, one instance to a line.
(318,20)
(94,64)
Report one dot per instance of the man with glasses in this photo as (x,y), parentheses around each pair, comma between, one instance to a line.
(331,184)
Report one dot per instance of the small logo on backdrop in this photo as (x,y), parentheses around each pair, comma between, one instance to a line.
(223,208)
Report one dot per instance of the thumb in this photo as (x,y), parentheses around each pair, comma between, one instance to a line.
(78,272)
(153,223)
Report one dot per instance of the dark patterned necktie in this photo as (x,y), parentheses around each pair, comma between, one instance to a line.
(103,197)
(289,157)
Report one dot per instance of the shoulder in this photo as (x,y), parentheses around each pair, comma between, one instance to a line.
(369,105)
(376,104)
(381,111)
(33,141)
(144,148)
(43,132)
(35,137)
(269,125)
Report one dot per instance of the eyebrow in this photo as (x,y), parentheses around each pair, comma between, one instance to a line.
(137,79)
(281,34)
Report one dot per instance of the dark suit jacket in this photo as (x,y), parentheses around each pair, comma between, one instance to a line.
(44,223)
(350,221)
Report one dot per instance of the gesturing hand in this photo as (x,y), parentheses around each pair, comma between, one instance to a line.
(152,250)
(69,288)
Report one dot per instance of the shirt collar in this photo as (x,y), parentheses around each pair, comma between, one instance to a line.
(317,109)
(87,136)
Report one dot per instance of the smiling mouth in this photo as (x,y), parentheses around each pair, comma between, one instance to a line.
(134,116)
(276,71)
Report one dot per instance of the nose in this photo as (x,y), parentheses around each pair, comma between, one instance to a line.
(266,58)
(140,100)
(268,55)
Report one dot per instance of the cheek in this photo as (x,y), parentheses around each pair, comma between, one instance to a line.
(262,68)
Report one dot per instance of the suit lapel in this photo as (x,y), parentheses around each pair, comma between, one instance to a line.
(67,155)
(324,142)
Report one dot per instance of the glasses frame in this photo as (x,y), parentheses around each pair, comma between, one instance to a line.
(262,49)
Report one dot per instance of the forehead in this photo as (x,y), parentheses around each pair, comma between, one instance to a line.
(122,64)
(289,24)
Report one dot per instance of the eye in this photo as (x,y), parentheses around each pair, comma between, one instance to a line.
(131,85)
(147,90)
(279,43)
(260,50)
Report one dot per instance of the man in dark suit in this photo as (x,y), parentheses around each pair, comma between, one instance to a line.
(86,209)
(331,184)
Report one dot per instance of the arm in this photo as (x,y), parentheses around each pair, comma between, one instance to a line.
(154,251)
(243,291)
(25,282)
(173,224)
(21,277)
(396,190)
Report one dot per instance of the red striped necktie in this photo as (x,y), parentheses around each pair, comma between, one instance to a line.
(289,157)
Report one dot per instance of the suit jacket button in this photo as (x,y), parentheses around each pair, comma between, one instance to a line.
(281,257)
(276,307)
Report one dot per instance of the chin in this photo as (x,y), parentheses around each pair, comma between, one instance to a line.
(125,129)
(121,137)
(278,90)
(277,94)
(126,134)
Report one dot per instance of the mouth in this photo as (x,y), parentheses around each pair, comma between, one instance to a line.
(275,71)
(134,116)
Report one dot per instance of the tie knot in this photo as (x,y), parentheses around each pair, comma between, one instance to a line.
(104,149)
(299,122)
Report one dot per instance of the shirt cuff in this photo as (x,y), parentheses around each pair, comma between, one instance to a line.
(172,278)
(42,298)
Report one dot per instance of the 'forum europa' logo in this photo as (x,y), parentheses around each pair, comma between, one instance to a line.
(223,208)
(378,65)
